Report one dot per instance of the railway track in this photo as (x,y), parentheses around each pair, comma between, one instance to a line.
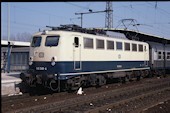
(118,101)
(17,101)
(25,96)
(132,104)
(103,101)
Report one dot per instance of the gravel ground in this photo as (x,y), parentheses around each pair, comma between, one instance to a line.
(161,107)
(39,100)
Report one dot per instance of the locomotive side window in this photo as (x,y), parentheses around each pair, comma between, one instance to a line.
(36,42)
(159,55)
(134,47)
(88,43)
(76,41)
(51,41)
(99,44)
(127,46)
(140,48)
(110,44)
(119,45)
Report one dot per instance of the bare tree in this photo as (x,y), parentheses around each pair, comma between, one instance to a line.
(26,37)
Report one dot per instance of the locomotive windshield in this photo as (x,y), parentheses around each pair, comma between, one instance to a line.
(51,41)
(36,42)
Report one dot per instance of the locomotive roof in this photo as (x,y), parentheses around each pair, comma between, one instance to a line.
(94,31)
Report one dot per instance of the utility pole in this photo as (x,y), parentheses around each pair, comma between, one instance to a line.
(8,22)
(74,18)
(90,12)
(9,46)
(109,15)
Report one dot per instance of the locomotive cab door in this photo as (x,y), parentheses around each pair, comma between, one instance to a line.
(77,53)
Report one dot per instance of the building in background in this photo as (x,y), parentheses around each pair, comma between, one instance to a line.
(19,56)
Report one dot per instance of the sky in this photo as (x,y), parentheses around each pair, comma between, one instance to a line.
(29,17)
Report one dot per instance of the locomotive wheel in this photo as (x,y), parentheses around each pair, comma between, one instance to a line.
(53,85)
(123,80)
(100,81)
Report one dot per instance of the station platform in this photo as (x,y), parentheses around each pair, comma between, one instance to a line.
(10,83)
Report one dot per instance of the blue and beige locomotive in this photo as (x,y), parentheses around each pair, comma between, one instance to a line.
(70,56)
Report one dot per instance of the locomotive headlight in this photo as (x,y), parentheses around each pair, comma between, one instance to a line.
(41,54)
(30,60)
(53,59)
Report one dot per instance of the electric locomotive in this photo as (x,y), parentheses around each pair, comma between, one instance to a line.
(70,56)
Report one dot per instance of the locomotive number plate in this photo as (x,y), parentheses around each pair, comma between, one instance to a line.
(41,68)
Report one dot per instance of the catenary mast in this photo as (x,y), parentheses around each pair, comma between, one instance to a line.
(109,15)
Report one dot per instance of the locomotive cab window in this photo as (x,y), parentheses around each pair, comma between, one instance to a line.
(36,42)
(52,41)
(76,41)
